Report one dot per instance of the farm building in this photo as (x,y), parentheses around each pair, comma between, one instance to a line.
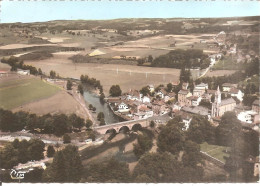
(23,72)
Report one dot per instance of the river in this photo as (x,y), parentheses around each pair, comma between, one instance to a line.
(93,99)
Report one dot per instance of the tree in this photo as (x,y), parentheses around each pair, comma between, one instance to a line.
(228,129)
(152,124)
(8,156)
(89,123)
(158,167)
(100,116)
(76,121)
(66,138)
(94,109)
(57,170)
(144,144)
(191,156)
(60,124)
(34,176)
(115,91)
(40,71)
(169,87)
(145,91)
(80,89)
(23,149)
(102,122)
(150,58)
(107,172)
(52,74)
(36,149)
(69,85)
(73,165)
(171,137)
(102,97)
(200,130)
(90,106)
(140,61)
(50,151)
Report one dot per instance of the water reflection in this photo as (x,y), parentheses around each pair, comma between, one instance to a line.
(93,99)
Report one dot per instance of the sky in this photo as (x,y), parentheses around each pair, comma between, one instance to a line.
(40,11)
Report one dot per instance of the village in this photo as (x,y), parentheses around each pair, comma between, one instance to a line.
(143,99)
(133,105)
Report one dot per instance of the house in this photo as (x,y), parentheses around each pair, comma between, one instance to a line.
(170,96)
(200,89)
(148,112)
(202,86)
(122,107)
(186,118)
(151,88)
(219,107)
(203,111)
(234,92)
(161,93)
(134,95)
(23,72)
(3,73)
(146,99)
(193,101)
(159,107)
(182,97)
(248,116)
(227,86)
(256,106)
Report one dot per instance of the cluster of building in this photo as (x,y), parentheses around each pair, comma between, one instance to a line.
(189,104)
(134,105)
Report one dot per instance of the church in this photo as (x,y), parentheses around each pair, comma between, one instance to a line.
(219,107)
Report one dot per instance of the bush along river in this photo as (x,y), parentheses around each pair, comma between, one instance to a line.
(92,98)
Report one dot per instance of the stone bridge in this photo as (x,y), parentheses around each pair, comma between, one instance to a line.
(118,126)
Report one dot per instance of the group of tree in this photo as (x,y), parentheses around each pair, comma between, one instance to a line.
(101,118)
(69,85)
(168,165)
(243,144)
(115,91)
(21,152)
(110,171)
(214,82)
(91,107)
(191,58)
(66,167)
(144,144)
(16,63)
(57,124)
(85,80)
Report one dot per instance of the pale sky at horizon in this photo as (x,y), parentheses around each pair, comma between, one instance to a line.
(39,11)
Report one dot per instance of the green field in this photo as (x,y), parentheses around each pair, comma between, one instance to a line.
(18,92)
(215,151)
(228,64)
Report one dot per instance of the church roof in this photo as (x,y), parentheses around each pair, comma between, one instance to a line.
(227,101)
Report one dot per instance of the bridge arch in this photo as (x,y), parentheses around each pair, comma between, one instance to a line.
(111,131)
(136,127)
(124,129)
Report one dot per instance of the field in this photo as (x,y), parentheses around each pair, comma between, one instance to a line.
(17,92)
(219,73)
(128,76)
(215,151)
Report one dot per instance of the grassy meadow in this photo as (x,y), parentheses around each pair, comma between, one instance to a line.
(17,92)
(215,151)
